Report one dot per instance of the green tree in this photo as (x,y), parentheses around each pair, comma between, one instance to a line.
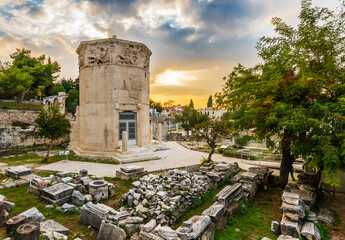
(68,84)
(191,104)
(27,73)
(56,88)
(169,103)
(52,125)
(210,102)
(241,140)
(72,101)
(157,105)
(188,118)
(297,92)
(212,131)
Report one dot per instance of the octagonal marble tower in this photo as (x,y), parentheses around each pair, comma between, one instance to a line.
(114,96)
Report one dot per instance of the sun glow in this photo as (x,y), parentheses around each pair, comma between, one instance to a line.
(170,77)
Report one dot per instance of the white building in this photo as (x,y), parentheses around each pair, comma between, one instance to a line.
(212,113)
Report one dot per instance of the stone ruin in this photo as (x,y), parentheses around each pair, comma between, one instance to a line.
(17,171)
(57,100)
(297,200)
(61,189)
(29,224)
(128,172)
(159,200)
(71,187)
(17,176)
(32,225)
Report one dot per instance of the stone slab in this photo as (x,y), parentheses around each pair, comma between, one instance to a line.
(310,231)
(33,215)
(228,193)
(17,171)
(126,176)
(60,201)
(57,191)
(215,212)
(290,228)
(194,227)
(132,169)
(52,226)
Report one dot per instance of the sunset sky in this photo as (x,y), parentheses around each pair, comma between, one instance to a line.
(194,43)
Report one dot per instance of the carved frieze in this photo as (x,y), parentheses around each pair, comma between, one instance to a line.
(120,52)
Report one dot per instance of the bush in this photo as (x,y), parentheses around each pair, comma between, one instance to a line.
(242,141)
(235,154)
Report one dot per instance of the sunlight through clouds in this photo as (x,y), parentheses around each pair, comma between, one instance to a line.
(187,37)
(170,77)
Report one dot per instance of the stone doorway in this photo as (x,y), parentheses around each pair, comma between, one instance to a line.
(128,123)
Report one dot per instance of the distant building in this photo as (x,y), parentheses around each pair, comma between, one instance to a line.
(170,111)
(0,67)
(58,100)
(212,113)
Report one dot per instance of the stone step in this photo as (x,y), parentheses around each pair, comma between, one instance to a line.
(134,154)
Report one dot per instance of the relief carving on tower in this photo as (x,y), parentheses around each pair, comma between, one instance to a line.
(132,54)
(81,57)
(129,55)
(99,56)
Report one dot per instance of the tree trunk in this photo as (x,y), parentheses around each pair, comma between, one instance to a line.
(318,178)
(187,133)
(23,95)
(287,160)
(50,148)
(210,154)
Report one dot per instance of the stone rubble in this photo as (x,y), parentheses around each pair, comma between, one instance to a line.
(297,198)
(66,187)
(199,226)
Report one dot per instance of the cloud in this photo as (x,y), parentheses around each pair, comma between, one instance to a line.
(204,39)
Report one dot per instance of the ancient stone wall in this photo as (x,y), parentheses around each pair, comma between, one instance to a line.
(7,117)
(11,137)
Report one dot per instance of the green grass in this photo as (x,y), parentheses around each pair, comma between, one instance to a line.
(20,106)
(254,219)
(23,150)
(37,160)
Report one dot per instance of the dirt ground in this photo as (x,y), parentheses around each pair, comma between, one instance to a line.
(337,204)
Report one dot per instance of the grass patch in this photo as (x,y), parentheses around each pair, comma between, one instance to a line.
(20,106)
(37,160)
(23,150)
(121,187)
(254,219)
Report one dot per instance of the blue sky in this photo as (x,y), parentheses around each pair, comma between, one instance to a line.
(195,43)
